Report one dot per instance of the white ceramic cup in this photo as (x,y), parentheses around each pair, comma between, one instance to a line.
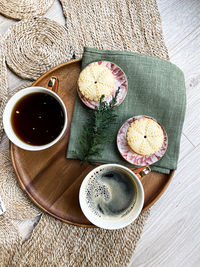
(113,222)
(8,111)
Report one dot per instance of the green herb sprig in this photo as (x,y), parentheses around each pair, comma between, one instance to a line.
(96,131)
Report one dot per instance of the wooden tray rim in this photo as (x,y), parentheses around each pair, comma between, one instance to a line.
(29,194)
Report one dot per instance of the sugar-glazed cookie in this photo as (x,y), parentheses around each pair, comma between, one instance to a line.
(145,136)
(95,81)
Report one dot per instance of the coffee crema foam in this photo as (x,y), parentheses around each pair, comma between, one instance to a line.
(110,193)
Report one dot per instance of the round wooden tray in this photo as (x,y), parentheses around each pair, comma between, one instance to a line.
(50,180)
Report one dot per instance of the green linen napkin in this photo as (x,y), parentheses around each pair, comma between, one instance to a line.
(156,88)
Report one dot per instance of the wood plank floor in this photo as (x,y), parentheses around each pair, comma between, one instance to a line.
(172,234)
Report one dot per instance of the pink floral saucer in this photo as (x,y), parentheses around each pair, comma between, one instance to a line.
(120,81)
(127,152)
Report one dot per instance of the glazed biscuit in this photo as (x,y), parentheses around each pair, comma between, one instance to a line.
(95,81)
(145,136)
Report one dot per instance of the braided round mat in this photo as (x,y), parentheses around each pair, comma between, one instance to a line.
(18,206)
(10,241)
(19,9)
(3,83)
(35,45)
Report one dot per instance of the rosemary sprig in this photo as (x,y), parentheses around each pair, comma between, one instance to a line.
(96,132)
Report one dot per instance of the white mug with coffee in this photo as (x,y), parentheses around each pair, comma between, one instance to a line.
(35,118)
(111,196)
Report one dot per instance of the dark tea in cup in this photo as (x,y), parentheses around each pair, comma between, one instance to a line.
(37,118)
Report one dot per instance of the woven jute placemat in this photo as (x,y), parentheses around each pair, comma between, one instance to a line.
(35,45)
(115,24)
(56,244)
(19,9)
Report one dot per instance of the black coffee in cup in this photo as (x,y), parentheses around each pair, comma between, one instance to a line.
(111,192)
(37,118)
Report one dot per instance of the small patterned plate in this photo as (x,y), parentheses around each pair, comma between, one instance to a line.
(120,81)
(128,154)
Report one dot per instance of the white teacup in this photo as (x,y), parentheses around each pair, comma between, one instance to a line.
(8,111)
(104,220)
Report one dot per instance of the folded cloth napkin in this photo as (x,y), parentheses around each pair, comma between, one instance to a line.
(156,88)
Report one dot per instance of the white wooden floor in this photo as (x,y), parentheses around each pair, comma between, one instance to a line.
(172,234)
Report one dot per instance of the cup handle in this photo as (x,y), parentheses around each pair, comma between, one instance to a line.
(140,172)
(53,84)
